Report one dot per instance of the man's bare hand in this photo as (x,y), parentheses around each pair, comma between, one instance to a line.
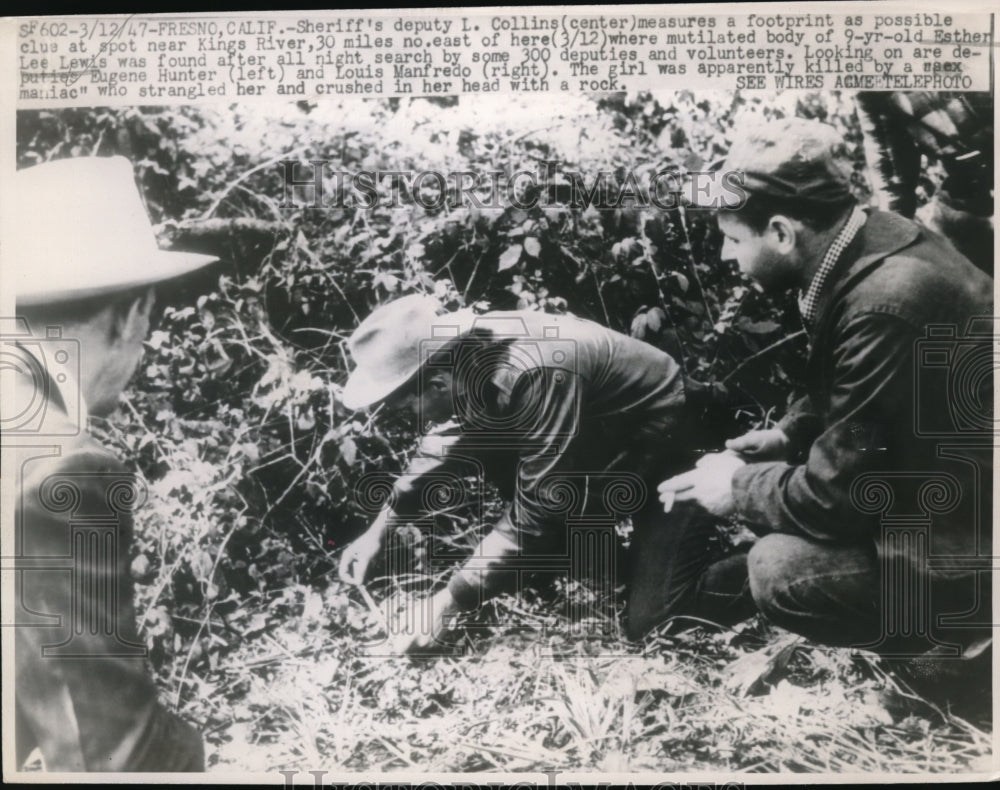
(357,558)
(411,632)
(710,484)
(770,444)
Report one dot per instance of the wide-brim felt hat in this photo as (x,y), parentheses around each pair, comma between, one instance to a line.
(81,230)
(394,342)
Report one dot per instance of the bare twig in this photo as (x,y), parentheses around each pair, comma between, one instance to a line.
(245,175)
(468,284)
(600,295)
(657,278)
(694,267)
(777,344)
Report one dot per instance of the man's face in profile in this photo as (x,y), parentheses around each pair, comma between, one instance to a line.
(428,398)
(122,356)
(762,256)
(435,403)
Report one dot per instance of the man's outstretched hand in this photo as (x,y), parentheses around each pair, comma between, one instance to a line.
(710,483)
(770,444)
(412,632)
(357,558)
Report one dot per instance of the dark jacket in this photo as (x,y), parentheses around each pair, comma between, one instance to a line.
(84,694)
(880,412)
(545,400)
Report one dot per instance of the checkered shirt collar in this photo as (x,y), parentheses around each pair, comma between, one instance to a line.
(809,300)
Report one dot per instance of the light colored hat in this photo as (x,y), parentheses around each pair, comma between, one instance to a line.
(81,230)
(792,158)
(392,344)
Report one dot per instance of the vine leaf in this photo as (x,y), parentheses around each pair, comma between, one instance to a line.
(510,257)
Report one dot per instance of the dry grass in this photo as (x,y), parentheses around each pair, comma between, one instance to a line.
(529,694)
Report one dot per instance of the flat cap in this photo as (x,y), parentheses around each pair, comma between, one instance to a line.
(791,159)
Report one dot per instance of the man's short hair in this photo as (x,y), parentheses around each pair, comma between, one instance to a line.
(758,210)
(76,312)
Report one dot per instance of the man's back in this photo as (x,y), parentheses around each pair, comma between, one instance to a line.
(539,397)
(84,693)
(873,388)
(616,376)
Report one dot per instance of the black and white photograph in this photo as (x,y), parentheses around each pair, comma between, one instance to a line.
(557,434)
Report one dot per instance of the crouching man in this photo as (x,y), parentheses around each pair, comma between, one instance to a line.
(541,404)
(84,265)
(872,499)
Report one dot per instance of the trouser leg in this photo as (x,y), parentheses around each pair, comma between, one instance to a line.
(824,591)
(97,712)
(840,595)
(677,569)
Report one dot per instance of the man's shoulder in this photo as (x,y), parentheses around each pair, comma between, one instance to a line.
(922,280)
(35,404)
(80,461)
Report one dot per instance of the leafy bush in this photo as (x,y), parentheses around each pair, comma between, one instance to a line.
(234,417)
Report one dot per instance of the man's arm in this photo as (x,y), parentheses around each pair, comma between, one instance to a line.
(789,439)
(438,459)
(543,416)
(358,557)
(801,425)
(871,409)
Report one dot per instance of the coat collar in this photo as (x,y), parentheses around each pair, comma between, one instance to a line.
(881,236)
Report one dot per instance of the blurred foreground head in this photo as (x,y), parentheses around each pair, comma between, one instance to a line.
(83,261)
(795,176)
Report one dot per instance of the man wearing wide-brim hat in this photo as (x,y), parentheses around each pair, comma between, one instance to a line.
(571,421)
(84,266)
(872,495)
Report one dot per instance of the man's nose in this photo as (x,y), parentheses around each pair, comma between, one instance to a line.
(727,253)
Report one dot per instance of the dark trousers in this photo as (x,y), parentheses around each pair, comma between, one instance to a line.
(851,596)
(678,570)
(835,594)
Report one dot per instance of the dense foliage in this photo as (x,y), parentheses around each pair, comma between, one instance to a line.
(234,419)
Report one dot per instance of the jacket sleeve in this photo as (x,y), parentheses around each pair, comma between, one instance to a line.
(434,472)
(871,411)
(85,695)
(545,410)
(801,425)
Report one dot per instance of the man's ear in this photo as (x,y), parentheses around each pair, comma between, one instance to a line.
(131,314)
(784,232)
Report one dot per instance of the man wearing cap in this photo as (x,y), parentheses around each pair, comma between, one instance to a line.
(831,486)
(555,410)
(83,262)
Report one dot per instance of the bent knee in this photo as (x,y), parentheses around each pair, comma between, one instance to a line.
(826,592)
(771,567)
